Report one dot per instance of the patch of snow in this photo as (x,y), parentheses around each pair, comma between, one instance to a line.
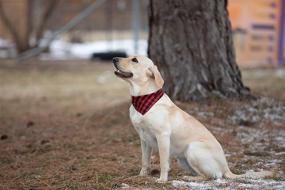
(230,184)
(7,49)
(272,162)
(281,139)
(222,181)
(4,43)
(280,153)
(120,186)
(190,185)
(205,114)
(259,110)
(200,113)
(280,73)
(60,49)
(124,186)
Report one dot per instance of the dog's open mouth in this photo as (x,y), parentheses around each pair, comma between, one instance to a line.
(122,74)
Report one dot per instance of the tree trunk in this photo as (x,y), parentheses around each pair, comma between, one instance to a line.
(49,8)
(191,42)
(19,33)
(33,23)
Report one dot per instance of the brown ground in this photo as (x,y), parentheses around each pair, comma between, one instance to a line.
(66,126)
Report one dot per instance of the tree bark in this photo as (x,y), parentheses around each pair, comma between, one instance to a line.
(191,42)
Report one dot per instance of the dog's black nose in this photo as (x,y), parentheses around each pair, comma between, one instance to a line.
(115,59)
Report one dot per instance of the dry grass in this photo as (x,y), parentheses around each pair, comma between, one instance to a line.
(266,82)
(66,126)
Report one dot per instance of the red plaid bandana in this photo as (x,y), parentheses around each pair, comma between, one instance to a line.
(143,103)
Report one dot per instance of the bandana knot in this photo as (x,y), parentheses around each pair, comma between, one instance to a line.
(143,103)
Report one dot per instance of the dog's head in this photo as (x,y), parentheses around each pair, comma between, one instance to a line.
(139,71)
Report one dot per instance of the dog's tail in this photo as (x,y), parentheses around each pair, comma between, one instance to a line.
(249,175)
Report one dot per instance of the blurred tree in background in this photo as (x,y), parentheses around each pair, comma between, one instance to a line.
(31,25)
(34,24)
(191,42)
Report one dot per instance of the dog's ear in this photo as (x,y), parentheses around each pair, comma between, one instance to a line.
(155,74)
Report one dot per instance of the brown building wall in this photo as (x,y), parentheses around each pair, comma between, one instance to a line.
(256,46)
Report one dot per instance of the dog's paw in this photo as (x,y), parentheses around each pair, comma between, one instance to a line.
(161,180)
(143,172)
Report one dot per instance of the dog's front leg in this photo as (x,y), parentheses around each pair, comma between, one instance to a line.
(146,158)
(164,148)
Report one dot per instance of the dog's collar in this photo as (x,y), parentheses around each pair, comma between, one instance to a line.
(143,103)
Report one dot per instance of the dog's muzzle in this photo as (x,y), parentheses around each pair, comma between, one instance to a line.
(118,72)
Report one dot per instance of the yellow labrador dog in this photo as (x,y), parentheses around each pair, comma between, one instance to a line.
(164,126)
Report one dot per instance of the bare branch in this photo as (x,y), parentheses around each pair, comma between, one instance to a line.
(71,24)
(46,15)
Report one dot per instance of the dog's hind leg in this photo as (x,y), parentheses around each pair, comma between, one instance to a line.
(182,161)
(205,161)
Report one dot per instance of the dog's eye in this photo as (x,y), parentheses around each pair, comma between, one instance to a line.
(135,60)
